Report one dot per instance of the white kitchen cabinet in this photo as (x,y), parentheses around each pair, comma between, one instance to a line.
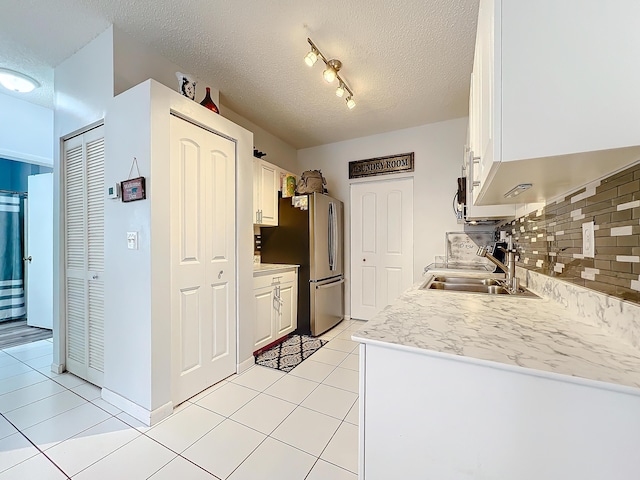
(440,416)
(266,183)
(554,98)
(472,153)
(275,305)
(478,212)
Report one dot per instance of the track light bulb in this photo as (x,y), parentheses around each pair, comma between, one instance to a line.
(311,58)
(351,103)
(329,74)
(340,90)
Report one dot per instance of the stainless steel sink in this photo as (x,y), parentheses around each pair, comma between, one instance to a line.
(467,280)
(490,286)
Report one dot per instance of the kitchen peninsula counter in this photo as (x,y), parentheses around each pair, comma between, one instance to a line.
(469,386)
(513,332)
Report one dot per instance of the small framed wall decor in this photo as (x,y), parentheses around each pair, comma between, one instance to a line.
(133,189)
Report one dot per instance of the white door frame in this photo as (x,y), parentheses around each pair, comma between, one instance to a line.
(351,236)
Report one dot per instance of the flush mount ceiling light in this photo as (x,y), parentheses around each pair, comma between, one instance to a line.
(330,73)
(518,189)
(16,81)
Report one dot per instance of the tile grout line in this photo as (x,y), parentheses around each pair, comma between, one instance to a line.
(276,427)
(87,401)
(317,458)
(299,404)
(36,447)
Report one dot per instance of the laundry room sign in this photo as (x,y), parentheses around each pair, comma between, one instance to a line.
(381,165)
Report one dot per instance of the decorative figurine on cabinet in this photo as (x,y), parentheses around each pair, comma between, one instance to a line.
(207,102)
(186,85)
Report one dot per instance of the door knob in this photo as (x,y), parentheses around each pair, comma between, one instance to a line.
(364,259)
(220,274)
(29,258)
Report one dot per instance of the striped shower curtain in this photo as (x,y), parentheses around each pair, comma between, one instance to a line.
(11,268)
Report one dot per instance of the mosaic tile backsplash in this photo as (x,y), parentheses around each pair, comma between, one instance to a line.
(550,240)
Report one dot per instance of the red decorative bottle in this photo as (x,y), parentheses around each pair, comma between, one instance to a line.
(208,103)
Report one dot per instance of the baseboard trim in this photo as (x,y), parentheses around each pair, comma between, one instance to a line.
(148,417)
(246,365)
(58,368)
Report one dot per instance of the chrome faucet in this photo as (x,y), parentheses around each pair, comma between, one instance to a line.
(513,284)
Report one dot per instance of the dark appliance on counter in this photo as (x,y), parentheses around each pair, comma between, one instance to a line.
(310,234)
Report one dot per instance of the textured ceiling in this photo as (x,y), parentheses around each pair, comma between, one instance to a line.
(407,61)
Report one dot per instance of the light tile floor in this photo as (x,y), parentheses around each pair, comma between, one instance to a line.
(262,424)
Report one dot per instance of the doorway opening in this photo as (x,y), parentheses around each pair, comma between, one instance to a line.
(20,319)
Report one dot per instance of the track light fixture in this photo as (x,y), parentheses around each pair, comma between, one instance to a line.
(330,73)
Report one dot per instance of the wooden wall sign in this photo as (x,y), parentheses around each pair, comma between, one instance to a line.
(381,165)
(133,189)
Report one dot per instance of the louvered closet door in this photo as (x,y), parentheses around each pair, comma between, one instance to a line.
(84,254)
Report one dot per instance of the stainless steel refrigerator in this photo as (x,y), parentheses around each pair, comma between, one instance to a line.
(312,238)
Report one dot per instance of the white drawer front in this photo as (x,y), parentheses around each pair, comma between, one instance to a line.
(274,279)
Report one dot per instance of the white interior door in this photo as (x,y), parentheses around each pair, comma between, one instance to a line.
(203,274)
(40,251)
(83,164)
(381,244)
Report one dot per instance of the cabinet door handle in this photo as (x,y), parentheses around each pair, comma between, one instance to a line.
(220,274)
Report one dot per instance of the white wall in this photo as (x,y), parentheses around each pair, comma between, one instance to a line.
(127,276)
(134,62)
(26,131)
(438,151)
(278,152)
(83,86)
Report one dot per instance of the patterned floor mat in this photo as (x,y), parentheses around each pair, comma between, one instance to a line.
(287,355)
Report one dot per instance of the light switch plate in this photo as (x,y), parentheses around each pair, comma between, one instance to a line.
(132,240)
(588,240)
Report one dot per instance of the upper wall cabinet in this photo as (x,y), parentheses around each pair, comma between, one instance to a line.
(471,167)
(554,95)
(266,180)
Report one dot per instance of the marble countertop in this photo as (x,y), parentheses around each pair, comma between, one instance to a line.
(519,333)
(271,267)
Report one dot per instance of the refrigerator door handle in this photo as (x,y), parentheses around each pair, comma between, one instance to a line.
(329,285)
(331,243)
